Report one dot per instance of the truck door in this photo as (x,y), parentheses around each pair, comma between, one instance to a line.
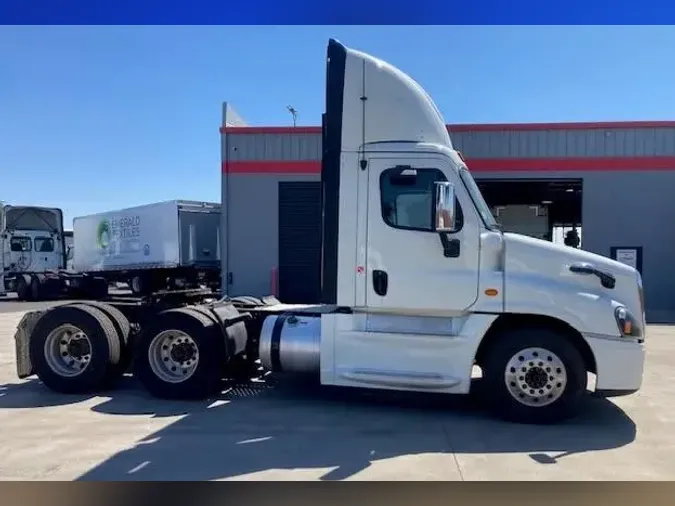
(407,267)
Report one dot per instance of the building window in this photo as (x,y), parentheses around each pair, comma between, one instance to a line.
(407,195)
(44,244)
(18,244)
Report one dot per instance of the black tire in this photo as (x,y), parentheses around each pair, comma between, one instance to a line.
(123,330)
(105,348)
(206,379)
(22,288)
(36,288)
(137,285)
(495,389)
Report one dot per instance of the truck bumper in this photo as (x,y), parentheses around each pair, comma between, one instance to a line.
(620,365)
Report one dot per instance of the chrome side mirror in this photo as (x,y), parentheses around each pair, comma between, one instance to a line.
(444,219)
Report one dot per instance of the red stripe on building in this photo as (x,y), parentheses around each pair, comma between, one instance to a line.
(481,127)
(598,164)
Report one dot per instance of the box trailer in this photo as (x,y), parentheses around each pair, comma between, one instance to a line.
(173,244)
(419,285)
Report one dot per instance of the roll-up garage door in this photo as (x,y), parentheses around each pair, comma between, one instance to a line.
(299,276)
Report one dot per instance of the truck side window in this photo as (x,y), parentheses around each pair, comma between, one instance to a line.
(406,196)
(18,244)
(44,244)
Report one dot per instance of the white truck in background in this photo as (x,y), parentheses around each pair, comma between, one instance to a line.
(33,255)
(165,245)
(419,286)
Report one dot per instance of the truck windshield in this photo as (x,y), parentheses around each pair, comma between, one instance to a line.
(44,244)
(478,200)
(20,244)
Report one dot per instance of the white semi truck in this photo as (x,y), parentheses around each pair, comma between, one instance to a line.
(419,286)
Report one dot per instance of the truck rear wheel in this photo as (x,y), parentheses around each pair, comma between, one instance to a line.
(180,355)
(71,348)
(36,287)
(534,376)
(22,288)
(123,330)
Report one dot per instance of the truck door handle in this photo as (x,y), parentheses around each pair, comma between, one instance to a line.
(380,282)
(451,247)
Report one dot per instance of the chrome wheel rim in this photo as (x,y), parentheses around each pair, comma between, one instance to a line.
(535,377)
(173,356)
(67,351)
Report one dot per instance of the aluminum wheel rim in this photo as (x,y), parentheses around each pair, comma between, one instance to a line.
(535,377)
(67,351)
(173,356)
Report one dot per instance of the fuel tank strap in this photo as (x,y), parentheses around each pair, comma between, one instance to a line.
(275,342)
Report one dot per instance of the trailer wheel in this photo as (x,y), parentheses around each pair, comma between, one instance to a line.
(22,288)
(180,355)
(139,285)
(123,330)
(71,348)
(36,287)
(534,376)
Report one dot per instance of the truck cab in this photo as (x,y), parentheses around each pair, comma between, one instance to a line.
(31,241)
(429,283)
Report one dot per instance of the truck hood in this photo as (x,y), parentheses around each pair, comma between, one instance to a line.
(544,267)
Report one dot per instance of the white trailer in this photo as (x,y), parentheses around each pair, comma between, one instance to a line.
(419,285)
(173,244)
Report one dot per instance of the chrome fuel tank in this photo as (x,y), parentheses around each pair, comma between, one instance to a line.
(291,343)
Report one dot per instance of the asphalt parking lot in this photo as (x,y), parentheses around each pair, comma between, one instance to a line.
(298,432)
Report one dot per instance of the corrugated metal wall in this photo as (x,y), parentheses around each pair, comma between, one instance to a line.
(567,143)
(277,147)
(557,143)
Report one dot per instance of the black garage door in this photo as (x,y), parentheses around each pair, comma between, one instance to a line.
(299,242)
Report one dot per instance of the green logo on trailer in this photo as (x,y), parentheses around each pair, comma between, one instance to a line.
(103,234)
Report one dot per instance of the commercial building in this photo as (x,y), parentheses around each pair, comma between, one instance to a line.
(615,181)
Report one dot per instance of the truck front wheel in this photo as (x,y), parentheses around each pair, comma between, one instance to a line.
(180,355)
(534,376)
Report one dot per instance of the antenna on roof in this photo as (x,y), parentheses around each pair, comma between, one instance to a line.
(293,112)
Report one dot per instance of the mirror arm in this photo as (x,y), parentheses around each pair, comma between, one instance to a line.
(450,245)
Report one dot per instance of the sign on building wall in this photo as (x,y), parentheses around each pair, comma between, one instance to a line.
(628,255)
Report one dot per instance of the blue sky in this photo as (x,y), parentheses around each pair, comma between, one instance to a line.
(97,118)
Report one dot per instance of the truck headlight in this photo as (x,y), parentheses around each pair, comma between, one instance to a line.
(629,326)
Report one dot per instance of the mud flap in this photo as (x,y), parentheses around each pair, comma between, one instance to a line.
(24,330)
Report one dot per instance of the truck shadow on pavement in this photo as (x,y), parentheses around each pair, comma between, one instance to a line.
(258,427)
